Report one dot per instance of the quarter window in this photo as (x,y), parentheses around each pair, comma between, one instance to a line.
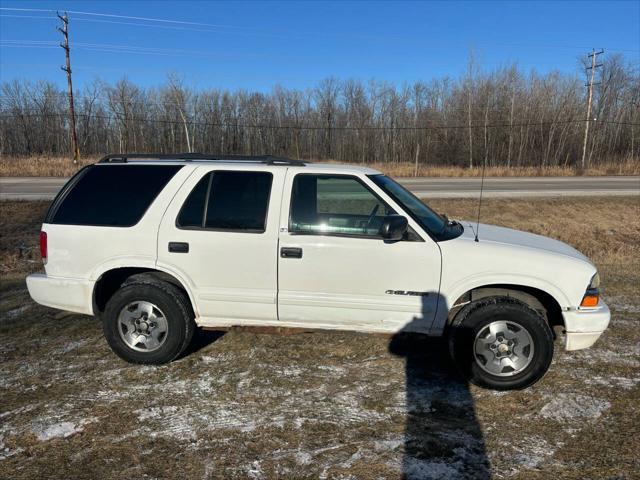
(228,200)
(110,195)
(325,204)
(192,213)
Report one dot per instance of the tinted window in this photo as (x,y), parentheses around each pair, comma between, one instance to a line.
(111,195)
(325,204)
(225,200)
(192,212)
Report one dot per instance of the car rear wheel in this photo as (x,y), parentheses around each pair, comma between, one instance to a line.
(501,343)
(148,321)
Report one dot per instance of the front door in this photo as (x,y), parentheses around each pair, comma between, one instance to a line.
(335,270)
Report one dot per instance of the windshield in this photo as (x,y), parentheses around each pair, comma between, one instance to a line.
(427,218)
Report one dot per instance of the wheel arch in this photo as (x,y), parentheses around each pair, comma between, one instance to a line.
(541,301)
(111,280)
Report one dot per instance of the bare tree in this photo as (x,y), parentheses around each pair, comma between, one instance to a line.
(511,117)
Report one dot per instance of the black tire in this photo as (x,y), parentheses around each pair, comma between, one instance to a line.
(170,300)
(473,318)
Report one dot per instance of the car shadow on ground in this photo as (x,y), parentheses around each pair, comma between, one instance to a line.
(443,438)
(201,339)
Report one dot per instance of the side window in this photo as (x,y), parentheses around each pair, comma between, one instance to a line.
(110,195)
(228,200)
(325,204)
(192,213)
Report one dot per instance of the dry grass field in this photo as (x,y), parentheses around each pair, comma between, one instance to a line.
(64,167)
(320,405)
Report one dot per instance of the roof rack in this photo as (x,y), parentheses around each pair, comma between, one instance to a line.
(189,157)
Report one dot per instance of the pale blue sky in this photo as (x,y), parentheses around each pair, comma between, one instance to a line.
(255,45)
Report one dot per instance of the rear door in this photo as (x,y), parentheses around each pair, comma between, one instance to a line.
(336,270)
(220,236)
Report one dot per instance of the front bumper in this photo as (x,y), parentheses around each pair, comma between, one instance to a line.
(584,326)
(69,294)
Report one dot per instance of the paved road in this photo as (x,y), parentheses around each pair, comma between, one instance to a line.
(45,188)
(523,186)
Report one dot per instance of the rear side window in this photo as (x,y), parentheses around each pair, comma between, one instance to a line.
(228,200)
(110,195)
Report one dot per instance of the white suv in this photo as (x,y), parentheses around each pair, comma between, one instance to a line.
(157,245)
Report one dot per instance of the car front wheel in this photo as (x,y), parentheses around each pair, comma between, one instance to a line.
(501,343)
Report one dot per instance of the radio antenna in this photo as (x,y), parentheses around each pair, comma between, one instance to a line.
(484,164)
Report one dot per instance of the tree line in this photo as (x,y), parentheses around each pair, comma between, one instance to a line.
(504,117)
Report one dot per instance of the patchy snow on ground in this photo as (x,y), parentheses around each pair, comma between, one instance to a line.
(72,346)
(212,401)
(219,358)
(63,429)
(564,407)
(332,370)
(58,430)
(24,409)
(388,445)
(303,458)
(531,453)
(254,471)
(628,357)
(613,381)
(289,371)
(186,422)
(179,422)
(6,452)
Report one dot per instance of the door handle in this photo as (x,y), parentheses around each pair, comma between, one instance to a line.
(291,252)
(179,247)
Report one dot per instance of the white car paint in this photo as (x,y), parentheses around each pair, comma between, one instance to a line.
(511,257)
(235,278)
(342,282)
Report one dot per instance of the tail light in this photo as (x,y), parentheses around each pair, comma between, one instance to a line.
(43,246)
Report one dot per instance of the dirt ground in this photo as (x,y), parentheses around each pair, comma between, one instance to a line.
(320,405)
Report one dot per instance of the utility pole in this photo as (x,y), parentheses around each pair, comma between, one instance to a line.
(593,55)
(67,68)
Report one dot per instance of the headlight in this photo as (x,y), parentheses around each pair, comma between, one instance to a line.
(595,281)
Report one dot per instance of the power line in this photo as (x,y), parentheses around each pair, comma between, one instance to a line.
(129,17)
(109,46)
(113,48)
(150,25)
(147,19)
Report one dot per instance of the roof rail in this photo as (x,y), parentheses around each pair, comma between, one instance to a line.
(189,157)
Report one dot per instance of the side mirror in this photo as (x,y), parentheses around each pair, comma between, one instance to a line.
(393,227)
